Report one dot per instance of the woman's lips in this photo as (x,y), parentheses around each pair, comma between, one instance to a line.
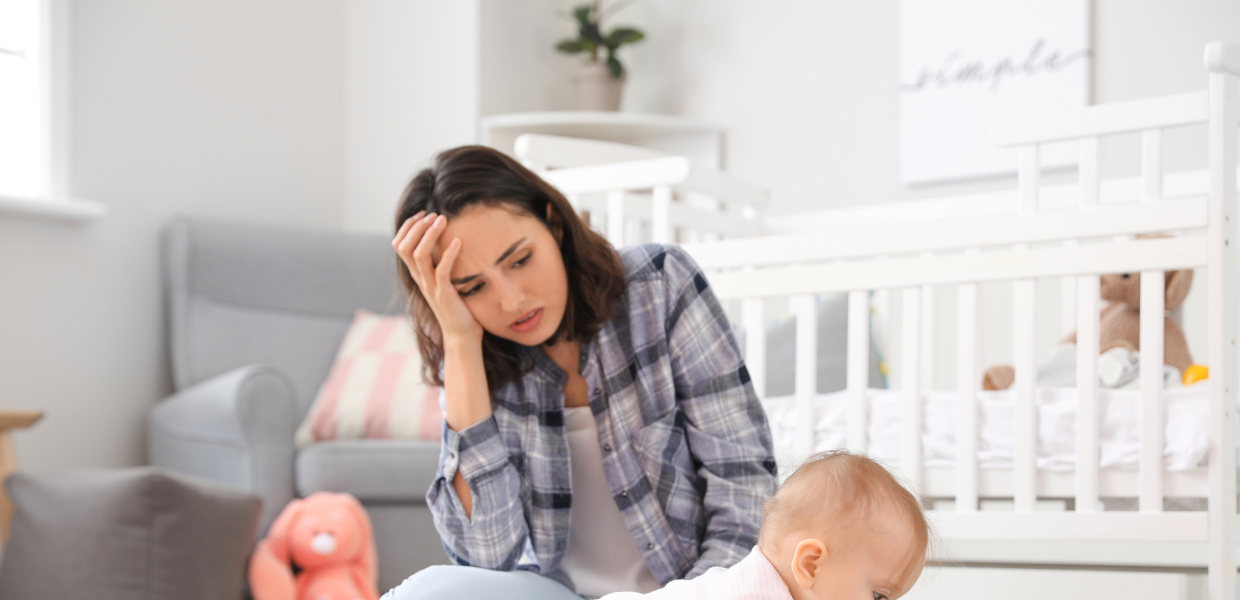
(532,319)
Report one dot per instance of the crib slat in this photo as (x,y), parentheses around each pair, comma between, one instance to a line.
(1088,172)
(1067,314)
(1224,295)
(1026,466)
(858,369)
(804,307)
(967,343)
(1087,427)
(1030,169)
(912,417)
(927,338)
(753,318)
(1152,320)
(633,233)
(615,217)
(1151,165)
(661,217)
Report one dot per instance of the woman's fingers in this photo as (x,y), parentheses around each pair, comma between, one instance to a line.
(407,245)
(404,228)
(408,236)
(443,271)
(422,253)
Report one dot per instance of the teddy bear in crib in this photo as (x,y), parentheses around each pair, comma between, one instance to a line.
(1119,340)
(328,537)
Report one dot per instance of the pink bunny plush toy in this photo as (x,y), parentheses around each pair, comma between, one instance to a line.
(328,537)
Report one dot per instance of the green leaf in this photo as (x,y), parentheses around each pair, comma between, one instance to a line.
(614,66)
(624,35)
(581,12)
(589,31)
(570,46)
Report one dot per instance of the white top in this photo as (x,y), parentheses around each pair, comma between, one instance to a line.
(601,557)
(754,578)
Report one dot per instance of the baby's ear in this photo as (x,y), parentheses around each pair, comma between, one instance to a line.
(807,562)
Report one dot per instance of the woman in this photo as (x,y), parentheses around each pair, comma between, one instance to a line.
(601,433)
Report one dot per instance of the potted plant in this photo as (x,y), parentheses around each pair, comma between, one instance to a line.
(600,80)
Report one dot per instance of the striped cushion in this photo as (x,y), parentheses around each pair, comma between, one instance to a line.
(375,388)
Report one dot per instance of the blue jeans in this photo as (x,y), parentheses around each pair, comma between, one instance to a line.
(472,583)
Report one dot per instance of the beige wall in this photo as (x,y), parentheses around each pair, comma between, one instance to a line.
(226,108)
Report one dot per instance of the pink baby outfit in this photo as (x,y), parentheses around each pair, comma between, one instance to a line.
(754,578)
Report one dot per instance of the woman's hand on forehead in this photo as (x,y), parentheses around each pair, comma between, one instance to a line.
(415,243)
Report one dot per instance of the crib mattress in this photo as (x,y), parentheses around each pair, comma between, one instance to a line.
(1186,418)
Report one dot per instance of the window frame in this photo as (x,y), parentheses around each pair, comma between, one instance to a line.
(54,80)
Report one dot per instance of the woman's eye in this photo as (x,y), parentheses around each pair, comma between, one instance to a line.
(521,263)
(878,596)
(471,291)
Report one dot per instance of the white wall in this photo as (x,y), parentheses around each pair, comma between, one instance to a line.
(807,89)
(316,112)
(411,90)
(519,71)
(807,92)
(226,108)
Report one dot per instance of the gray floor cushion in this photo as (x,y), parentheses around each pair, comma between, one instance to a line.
(126,533)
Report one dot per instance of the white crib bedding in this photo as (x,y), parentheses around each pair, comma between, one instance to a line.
(1186,418)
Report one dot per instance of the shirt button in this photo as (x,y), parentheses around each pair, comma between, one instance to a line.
(606,447)
(624,494)
(650,546)
(598,392)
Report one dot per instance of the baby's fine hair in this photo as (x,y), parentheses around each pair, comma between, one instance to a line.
(840,489)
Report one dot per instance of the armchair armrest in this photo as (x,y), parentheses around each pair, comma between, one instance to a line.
(237,429)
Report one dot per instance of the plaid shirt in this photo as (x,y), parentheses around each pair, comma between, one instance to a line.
(686,445)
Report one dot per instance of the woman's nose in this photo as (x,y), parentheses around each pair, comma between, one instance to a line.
(511,296)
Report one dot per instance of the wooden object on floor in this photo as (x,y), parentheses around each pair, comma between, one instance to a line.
(9,420)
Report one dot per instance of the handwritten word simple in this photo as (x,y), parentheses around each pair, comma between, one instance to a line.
(954,72)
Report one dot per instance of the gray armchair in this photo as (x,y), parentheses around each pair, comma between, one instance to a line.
(256,314)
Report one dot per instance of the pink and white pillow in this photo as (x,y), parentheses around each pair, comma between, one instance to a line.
(375,387)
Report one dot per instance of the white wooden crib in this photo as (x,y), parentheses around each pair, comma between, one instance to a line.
(1028,243)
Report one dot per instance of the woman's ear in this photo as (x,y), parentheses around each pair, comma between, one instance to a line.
(555,224)
(807,562)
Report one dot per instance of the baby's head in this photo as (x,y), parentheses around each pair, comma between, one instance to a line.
(842,527)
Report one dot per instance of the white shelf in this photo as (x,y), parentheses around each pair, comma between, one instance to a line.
(60,209)
(703,142)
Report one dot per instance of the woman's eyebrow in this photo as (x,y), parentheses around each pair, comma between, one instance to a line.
(510,250)
(506,254)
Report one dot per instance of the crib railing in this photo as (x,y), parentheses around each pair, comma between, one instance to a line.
(620,187)
(1149,117)
(1078,245)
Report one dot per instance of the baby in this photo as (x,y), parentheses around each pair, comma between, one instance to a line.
(840,527)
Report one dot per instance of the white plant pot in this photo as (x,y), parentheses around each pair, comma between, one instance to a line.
(596,88)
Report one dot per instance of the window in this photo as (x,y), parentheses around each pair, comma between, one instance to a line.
(25,99)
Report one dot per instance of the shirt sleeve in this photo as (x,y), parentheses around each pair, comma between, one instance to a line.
(726,427)
(495,535)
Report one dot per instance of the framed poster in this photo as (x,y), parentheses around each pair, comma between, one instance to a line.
(965,64)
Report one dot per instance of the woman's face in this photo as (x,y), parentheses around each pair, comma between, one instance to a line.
(510,272)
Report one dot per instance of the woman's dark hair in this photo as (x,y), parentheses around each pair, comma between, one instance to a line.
(478,175)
